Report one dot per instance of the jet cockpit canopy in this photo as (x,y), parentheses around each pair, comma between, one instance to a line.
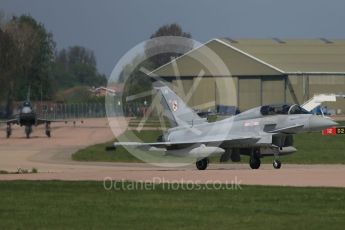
(283,109)
(27,104)
(271,110)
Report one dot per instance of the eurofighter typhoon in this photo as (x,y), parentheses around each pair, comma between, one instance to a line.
(259,132)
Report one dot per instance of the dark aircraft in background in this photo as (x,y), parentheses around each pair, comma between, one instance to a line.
(27,117)
(262,131)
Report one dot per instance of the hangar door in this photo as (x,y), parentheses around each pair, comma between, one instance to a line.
(249,92)
(273,90)
(202,96)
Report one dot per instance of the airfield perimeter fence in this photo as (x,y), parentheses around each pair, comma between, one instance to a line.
(86,110)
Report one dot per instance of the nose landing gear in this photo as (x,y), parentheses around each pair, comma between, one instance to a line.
(28,131)
(277,164)
(48,130)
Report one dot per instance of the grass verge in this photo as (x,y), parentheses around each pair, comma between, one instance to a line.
(87,205)
(98,152)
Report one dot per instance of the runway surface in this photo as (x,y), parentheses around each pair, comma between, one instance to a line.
(52,158)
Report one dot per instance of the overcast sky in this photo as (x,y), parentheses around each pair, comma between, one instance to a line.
(112,27)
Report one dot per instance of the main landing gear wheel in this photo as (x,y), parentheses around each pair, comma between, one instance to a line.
(254,162)
(8,131)
(48,132)
(277,164)
(202,164)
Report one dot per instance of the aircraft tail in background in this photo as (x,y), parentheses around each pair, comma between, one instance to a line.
(175,109)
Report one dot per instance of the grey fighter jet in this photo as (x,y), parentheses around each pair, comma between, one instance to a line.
(27,117)
(262,131)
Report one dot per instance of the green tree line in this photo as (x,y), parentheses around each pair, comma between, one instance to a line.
(155,51)
(29,59)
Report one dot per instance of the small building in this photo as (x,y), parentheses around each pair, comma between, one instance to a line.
(113,90)
(258,72)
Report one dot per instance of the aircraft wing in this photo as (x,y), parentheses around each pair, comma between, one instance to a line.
(11,121)
(206,141)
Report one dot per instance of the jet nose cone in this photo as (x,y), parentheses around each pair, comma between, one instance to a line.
(317,123)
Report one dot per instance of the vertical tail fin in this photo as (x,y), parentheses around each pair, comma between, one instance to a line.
(28,94)
(175,109)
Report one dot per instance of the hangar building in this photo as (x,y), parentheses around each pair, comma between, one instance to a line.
(259,72)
